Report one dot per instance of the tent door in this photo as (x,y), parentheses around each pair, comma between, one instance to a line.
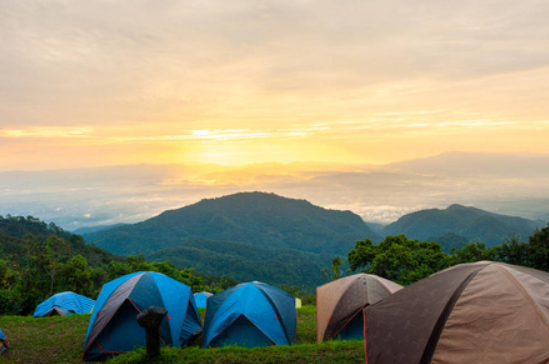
(353,330)
(241,333)
(122,333)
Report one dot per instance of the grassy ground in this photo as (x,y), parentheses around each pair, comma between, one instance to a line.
(44,340)
(60,340)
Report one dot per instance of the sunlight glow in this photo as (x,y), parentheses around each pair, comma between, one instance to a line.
(241,82)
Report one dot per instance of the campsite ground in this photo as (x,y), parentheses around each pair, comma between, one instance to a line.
(60,340)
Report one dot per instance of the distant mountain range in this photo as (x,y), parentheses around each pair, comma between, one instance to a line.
(261,219)
(246,235)
(469,223)
(264,236)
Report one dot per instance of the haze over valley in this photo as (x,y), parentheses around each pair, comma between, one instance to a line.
(512,184)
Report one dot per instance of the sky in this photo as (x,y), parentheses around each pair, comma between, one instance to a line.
(104,82)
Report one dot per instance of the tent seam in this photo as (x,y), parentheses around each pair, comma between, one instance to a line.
(427,356)
(277,312)
(346,288)
(527,296)
(90,342)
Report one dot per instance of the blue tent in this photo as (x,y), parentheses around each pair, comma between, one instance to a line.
(113,326)
(3,342)
(64,304)
(250,314)
(201,298)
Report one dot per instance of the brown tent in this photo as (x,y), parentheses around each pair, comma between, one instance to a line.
(339,304)
(484,312)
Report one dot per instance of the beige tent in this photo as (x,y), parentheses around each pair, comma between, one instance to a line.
(484,312)
(339,304)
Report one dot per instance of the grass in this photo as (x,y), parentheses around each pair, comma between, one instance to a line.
(333,352)
(44,340)
(60,340)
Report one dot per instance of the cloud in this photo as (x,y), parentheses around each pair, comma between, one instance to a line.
(403,73)
(52,132)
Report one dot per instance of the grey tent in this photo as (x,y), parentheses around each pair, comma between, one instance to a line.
(339,304)
(484,312)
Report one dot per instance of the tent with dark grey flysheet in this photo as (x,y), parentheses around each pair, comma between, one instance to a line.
(113,326)
(482,312)
(339,304)
(64,304)
(250,315)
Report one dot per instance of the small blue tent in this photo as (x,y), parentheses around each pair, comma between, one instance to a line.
(64,304)
(250,314)
(113,326)
(201,298)
(3,342)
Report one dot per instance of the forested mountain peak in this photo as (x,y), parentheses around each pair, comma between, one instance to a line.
(470,222)
(257,218)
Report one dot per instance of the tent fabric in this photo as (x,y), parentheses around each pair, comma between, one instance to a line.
(113,325)
(250,314)
(64,304)
(339,304)
(201,298)
(482,312)
(3,342)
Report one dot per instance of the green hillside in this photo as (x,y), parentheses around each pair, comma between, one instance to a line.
(15,232)
(245,262)
(260,219)
(469,222)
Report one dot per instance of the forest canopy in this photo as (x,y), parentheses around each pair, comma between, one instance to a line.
(406,261)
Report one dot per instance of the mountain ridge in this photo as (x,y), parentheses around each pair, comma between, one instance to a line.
(256,218)
(469,222)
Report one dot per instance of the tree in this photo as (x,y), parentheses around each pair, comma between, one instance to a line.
(512,251)
(538,252)
(78,276)
(362,255)
(398,258)
(29,244)
(334,272)
(472,252)
(50,258)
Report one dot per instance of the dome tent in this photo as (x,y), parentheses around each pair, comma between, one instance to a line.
(64,304)
(339,304)
(3,342)
(482,312)
(249,315)
(201,298)
(113,326)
